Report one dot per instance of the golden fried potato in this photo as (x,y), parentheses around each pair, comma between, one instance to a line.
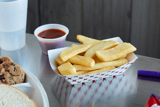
(87,40)
(115,63)
(73,50)
(57,71)
(59,61)
(99,70)
(123,57)
(82,60)
(92,56)
(116,52)
(67,69)
(91,52)
(97,60)
(79,73)
(74,44)
(82,54)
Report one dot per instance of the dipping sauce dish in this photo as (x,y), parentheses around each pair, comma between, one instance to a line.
(51,36)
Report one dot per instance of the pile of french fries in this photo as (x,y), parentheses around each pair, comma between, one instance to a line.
(93,56)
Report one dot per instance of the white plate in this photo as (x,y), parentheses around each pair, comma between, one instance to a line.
(34,89)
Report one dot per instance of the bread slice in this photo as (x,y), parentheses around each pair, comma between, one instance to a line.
(13,97)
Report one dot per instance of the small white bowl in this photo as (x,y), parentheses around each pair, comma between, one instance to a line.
(47,44)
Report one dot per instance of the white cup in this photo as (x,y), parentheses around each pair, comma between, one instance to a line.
(13,17)
(48,44)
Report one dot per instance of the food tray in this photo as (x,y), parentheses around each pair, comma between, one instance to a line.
(53,54)
(34,90)
(91,92)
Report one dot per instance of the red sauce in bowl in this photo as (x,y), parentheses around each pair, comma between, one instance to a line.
(51,33)
(53,44)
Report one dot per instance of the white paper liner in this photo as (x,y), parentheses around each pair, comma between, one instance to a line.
(91,92)
(34,90)
(53,54)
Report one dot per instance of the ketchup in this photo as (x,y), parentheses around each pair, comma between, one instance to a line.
(51,33)
(52,44)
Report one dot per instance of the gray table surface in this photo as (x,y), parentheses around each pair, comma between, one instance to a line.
(32,59)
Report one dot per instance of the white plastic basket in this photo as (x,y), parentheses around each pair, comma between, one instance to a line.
(79,79)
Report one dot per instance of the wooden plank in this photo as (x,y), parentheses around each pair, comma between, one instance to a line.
(107,18)
(145,29)
(66,12)
(32,16)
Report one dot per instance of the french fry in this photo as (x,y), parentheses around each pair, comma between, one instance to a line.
(116,52)
(82,60)
(97,60)
(67,69)
(99,70)
(79,73)
(91,52)
(74,44)
(86,40)
(73,50)
(59,61)
(57,71)
(92,56)
(115,63)
(82,54)
(123,57)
